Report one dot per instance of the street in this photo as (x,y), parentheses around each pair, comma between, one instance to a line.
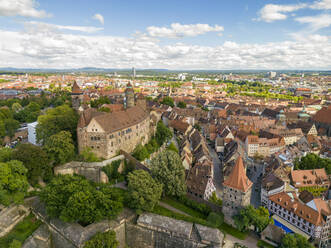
(218,172)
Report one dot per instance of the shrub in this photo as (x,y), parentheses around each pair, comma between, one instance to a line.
(215,219)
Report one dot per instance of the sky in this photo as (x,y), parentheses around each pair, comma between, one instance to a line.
(171,34)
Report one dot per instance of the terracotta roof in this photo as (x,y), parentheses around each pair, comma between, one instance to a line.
(75,88)
(238,179)
(323,115)
(295,206)
(305,178)
(179,125)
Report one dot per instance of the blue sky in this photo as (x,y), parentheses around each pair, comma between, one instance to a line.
(196,34)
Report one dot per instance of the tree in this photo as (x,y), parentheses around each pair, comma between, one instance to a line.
(251,216)
(75,199)
(6,154)
(16,107)
(313,161)
(167,168)
(167,100)
(162,133)
(15,244)
(103,240)
(295,241)
(144,191)
(11,126)
(60,147)
(13,182)
(140,152)
(88,156)
(34,159)
(62,118)
(181,105)
(172,147)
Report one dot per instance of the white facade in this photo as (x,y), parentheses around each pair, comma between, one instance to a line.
(32,137)
(265,194)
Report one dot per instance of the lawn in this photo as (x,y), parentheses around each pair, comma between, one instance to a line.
(263,244)
(182,207)
(233,231)
(21,231)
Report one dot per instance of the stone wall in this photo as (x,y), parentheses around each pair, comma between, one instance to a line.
(92,171)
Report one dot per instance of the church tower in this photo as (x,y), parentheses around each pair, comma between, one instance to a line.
(76,96)
(129,96)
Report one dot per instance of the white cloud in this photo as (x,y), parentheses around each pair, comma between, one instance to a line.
(27,49)
(316,22)
(100,18)
(274,12)
(323,4)
(26,8)
(178,30)
(39,27)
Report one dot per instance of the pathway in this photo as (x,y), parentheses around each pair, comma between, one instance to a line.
(167,206)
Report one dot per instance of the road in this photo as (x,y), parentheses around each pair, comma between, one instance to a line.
(218,172)
(256,189)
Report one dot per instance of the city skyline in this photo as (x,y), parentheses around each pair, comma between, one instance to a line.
(167,35)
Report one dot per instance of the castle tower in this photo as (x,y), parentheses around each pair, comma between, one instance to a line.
(237,191)
(129,96)
(76,96)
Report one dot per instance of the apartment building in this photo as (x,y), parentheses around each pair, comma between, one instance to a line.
(263,146)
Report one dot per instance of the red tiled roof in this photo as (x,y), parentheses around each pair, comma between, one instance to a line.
(238,179)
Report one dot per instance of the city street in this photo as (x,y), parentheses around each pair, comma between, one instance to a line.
(218,172)
(253,175)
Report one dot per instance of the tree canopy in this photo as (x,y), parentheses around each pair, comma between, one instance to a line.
(167,100)
(60,147)
(75,199)
(13,182)
(181,105)
(295,241)
(62,118)
(162,134)
(167,168)
(34,159)
(140,152)
(144,191)
(259,217)
(103,240)
(313,161)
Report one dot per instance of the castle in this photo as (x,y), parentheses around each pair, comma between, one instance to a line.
(107,133)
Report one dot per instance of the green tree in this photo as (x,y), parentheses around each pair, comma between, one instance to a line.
(15,244)
(34,159)
(6,154)
(251,216)
(75,199)
(313,161)
(87,155)
(103,240)
(295,241)
(13,182)
(167,168)
(11,126)
(140,152)
(60,147)
(181,105)
(16,107)
(167,100)
(62,118)
(172,147)
(163,133)
(144,191)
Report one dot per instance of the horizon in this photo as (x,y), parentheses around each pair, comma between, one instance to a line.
(272,35)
